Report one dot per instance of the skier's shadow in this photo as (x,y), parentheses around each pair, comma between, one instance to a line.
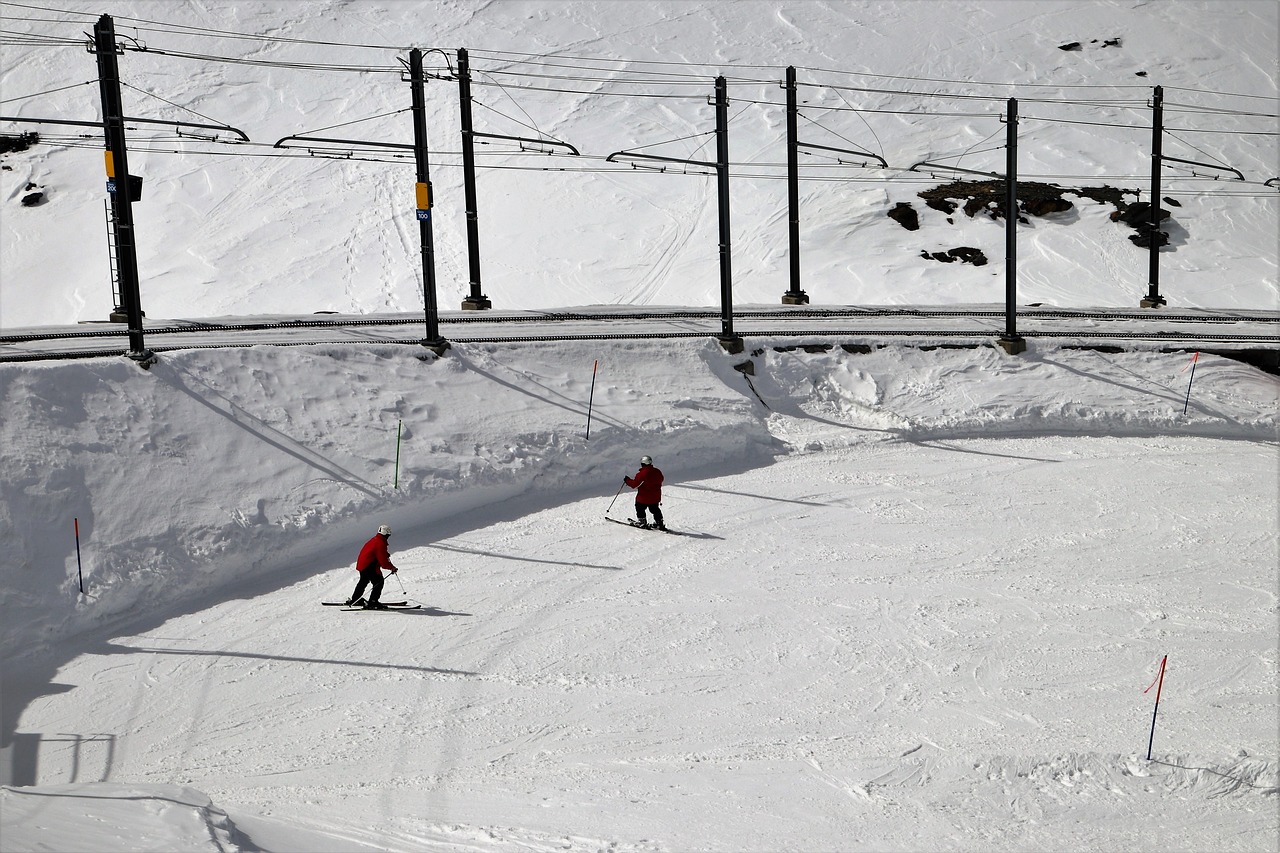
(691,535)
(436,611)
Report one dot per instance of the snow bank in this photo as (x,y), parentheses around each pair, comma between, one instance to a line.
(127,817)
(220,465)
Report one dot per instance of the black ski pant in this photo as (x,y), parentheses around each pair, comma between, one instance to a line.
(372,578)
(657,513)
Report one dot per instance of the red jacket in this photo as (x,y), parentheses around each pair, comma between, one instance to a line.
(648,483)
(374,554)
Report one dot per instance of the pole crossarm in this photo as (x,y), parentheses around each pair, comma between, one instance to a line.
(280,143)
(1169,159)
(551,142)
(167,122)
(626,157)
(854,151)
(954,169)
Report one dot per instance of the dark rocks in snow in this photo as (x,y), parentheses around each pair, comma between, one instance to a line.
(969,255)
(905,215)
(1039,199)
(1138,217)
(973,205)
(1146,234)
(1034,198)
(1046,206)
(1137,213)
(1075,45)
(1171,201)
(35,195)
(964,254)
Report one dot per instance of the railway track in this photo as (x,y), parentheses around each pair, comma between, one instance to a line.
(1187,329)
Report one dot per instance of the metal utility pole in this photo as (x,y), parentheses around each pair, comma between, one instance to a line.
(476,300)
(728,338)
(794,295)
(1153,299)
(416,79)
(1011,342)
(121,186)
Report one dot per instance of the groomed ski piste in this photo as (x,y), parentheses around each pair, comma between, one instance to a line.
(921,594)
(921,598)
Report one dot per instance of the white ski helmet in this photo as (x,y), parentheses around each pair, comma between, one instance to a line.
(646,460)
(384,529)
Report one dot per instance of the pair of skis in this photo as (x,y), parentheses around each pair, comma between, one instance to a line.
(631,522)
(390,605)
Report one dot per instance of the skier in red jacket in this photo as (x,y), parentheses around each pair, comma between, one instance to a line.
(648,485)
(372,560)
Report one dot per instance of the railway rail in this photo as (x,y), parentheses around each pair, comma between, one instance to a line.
(956,325)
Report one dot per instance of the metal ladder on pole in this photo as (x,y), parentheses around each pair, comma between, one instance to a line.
(118,314)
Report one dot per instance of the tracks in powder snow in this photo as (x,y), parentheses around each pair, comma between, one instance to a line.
(846,326)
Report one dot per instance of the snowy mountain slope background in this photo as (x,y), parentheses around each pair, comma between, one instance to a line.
(920,592)
(253,229)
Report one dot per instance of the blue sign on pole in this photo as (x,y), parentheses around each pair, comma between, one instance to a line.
(424,215)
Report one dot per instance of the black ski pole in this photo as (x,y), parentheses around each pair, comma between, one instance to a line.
(1156,710)
(79,566)
(615,499)
(591,398)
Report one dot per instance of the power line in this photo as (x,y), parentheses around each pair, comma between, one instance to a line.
(49,92)
(1219,94)
(275,63)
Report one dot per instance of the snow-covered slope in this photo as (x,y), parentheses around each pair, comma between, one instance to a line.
(914,586)
(252,229)
(920,591)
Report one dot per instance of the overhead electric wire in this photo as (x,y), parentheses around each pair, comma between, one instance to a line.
(739,171)
(616,79)
(1173,107)
(614,73)
(171,103)
(175,28)
(264,63)
(49,92)
(559,59)
(838,135)
(15,39)
(1219,94)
